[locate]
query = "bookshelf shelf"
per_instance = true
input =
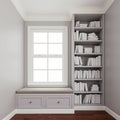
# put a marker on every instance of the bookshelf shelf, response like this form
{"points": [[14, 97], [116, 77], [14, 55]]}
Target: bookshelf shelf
{"points": [[88, 42], [88, 80], [87, 104], [88, 54], [88, 29], [88, 67], [88, 45], [88, 92]]}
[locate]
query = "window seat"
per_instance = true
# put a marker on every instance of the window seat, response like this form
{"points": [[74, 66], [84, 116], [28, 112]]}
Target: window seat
{"points": [[44, 91]]}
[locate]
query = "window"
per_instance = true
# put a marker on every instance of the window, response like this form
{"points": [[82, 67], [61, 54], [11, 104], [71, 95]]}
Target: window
{"points": [[47, 56]]}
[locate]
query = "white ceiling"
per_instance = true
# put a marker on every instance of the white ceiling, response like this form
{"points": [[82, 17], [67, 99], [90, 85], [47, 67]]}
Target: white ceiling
{"points": [[58, 9]]}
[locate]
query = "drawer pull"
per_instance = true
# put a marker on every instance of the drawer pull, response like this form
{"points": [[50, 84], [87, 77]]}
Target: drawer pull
{"points": [[30, 102], [58, 102]]}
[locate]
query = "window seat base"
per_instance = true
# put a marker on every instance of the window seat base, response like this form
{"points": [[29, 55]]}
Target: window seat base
{"points": [[44, 91]]}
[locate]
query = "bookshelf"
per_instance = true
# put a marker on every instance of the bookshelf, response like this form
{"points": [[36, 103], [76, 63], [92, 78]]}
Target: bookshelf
{"points": [[88, 59]]}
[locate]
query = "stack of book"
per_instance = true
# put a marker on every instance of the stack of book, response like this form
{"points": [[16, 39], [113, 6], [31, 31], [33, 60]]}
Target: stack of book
{"points": [[85, 36], [95, 24], [87, 74], [97, 49], [79, 49], [82, 25], [92, 36], [91, 99], [80, 86], [94, 61], [95, 88], [88, 50], [78, 60], [78, 99]]}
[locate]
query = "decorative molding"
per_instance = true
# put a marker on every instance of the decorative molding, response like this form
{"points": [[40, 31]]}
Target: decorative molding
{"points": [[45, 111], [60, 17], [92, 108], [112, 113], [61, 111], [108, 5], [19, 8], [10, 115]]}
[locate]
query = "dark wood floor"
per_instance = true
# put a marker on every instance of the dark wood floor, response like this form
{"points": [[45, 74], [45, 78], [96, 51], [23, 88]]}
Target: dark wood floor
{"points": [[79, 115]]}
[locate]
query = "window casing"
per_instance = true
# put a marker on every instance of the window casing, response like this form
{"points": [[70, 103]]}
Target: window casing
{"points": [[47, 56]]}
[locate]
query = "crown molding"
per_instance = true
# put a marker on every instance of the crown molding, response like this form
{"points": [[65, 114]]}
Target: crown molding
{"points": [[60, 17], [19, 8], [108, 5]]}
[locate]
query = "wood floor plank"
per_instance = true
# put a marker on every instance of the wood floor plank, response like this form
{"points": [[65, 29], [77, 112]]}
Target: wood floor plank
{"points": [[79, 115]]}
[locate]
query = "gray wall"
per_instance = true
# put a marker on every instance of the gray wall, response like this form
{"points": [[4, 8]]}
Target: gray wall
{"points": [[112, 57], [11, 56], [50, 23]]}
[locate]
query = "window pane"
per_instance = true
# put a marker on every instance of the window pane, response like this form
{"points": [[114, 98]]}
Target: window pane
{"points": [[40, 63], [55, 49], [40, 37], [55, 75], [40, 49], [55, 63], [40, 76], [55, 37]]}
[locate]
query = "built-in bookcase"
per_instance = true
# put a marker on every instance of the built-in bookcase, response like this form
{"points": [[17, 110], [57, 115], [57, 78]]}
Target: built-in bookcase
{"points": [[88, 59]]}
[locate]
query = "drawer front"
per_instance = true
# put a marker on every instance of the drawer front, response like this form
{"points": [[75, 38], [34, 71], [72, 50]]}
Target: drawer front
{"points": [[30, 102], [58, 102]]}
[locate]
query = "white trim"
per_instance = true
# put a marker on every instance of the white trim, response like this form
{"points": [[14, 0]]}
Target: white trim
{"points": [[92, 108], [45, 111], [59, 16], [64, 30], [10, 115], [18, 7], [107, 5], [112, 113], [61, 111]]}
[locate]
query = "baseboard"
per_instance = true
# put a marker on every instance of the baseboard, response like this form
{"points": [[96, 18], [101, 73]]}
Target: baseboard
{"points": [[10, 115], [45, 111], [112, 113], [98, 108], [61, 111]]}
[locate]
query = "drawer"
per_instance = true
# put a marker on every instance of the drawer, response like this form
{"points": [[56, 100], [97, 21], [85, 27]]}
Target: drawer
{"points": [[25, 102], [58, 102]]}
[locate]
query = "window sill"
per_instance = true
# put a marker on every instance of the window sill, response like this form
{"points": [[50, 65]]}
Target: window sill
{"points": [[44, 91]]}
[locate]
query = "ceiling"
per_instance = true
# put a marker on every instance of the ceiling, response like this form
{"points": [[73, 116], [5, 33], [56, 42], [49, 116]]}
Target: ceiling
{"points": [[33, 10]]}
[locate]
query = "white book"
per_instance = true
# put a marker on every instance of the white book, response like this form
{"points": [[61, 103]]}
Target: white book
{"points": [[93, 74], [93, 99], [86, 87], [81, 86], [80, 99], [90, 74], [77, 24], [76, 74], [80, 61], [77, 35], [76, 49], [80, 49], [97, 49], [80, 74], [76, 99], [76, 60], [76, 86], [85, 74], [98, 74]]}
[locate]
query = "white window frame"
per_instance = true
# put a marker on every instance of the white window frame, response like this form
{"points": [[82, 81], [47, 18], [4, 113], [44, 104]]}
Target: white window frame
{"points": [[31, 29]]}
